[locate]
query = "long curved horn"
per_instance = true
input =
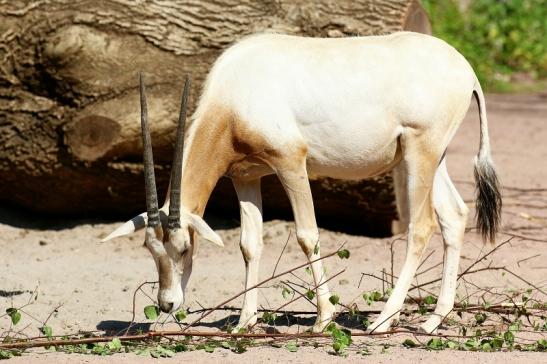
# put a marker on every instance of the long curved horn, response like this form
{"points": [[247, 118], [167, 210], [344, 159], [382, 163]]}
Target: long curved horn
{"points": [[148, 160], [173, 221]]}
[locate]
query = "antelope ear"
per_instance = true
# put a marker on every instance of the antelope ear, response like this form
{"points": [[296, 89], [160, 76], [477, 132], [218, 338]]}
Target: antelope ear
{"points": [[203, 230]]}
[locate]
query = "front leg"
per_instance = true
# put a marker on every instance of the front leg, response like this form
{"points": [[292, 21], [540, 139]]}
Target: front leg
{"points": [[293, 175], [250, 204]]}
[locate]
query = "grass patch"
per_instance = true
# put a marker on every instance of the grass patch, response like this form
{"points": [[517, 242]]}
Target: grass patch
{"points": [[505, 41]]}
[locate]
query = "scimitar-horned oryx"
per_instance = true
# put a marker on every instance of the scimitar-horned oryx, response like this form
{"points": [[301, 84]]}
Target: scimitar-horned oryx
{"points": [[301, 108]]}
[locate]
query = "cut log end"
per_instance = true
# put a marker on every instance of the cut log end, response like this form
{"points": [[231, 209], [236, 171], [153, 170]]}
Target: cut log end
{"points": [[91, 137]]}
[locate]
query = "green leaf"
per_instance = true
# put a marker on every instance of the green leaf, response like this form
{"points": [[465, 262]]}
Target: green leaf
{"points": [[180, 347], [14, 314], [208, 348], [180, 315], [472, 343], [371, 297], [376, 296], [268, 318], [286, 292], [497, 342], [341, 339], [143, 352], [115, 344], [515, 326], [430, 300], [435, 344], [291, 346], [480, 318], [5, 354], [409, 344], [542, 344], [161, 352], [334, 299], [310, 294], [151, 312], [46, 330], [316, 249], [343, 254]]}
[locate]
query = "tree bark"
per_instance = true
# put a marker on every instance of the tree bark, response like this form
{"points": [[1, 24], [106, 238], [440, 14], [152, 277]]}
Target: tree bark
{"points": [[69, 116]]}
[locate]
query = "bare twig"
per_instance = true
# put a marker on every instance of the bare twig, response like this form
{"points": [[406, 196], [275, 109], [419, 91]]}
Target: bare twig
{"points": [[256, 286], [282, 251]]}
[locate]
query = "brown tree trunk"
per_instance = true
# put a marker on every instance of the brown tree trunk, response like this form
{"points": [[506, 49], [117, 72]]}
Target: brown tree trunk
{"points": [[69, 125]]}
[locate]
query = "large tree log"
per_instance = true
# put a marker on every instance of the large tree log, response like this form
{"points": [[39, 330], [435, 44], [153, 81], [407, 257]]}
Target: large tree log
{"points": [[69, 125]]}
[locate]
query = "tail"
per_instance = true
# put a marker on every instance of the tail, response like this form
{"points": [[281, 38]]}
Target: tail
{"points": [[488, 198]]}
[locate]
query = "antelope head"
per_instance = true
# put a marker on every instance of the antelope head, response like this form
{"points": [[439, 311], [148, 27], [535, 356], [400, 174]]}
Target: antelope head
{"points": [[171, 240]]}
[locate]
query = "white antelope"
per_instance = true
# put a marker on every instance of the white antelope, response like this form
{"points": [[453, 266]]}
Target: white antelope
{"points": [[346, 108]]}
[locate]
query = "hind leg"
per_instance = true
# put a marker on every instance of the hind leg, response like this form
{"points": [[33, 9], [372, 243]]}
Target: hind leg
{"points": [[400, 187], [421, 162], [452, 216]]}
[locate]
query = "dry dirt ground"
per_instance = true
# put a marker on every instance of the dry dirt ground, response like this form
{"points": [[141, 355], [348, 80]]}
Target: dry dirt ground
{"points": [[93, 282]]}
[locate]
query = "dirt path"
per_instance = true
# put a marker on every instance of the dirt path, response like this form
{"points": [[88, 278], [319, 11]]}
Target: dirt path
{"points": [[94, 282]]}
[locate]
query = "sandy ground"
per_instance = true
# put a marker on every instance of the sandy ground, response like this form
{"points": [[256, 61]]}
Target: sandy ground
{"points": [[93, 282]]}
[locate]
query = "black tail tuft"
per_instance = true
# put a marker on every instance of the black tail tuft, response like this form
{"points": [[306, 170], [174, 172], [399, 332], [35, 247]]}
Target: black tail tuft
{"points": [[488, 199]]}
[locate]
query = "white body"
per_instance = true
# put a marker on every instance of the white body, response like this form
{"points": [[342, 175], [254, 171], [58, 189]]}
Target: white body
{"points": [[344, 108], [348, 99]]}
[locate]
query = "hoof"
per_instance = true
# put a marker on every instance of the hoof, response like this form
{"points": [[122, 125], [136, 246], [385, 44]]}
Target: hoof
{"points": [[377, 328], [320, 326], [430, 326], [244, 324]]}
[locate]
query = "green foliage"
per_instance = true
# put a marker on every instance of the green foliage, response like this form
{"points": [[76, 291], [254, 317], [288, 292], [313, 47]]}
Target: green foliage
{"points": [[268, 317], [341, 338], [47, 331], [161, 352], [286, 292], [109, 348], [310, 294], [180, 315], [292, 346], [6, 354], [408, 343], [430, 300], [151, 312], [334, 299], [480, 318], [343, 254], [436, 344], [498, 38], [208, 347], [14, 314], [238, 346], [371, 297]]}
